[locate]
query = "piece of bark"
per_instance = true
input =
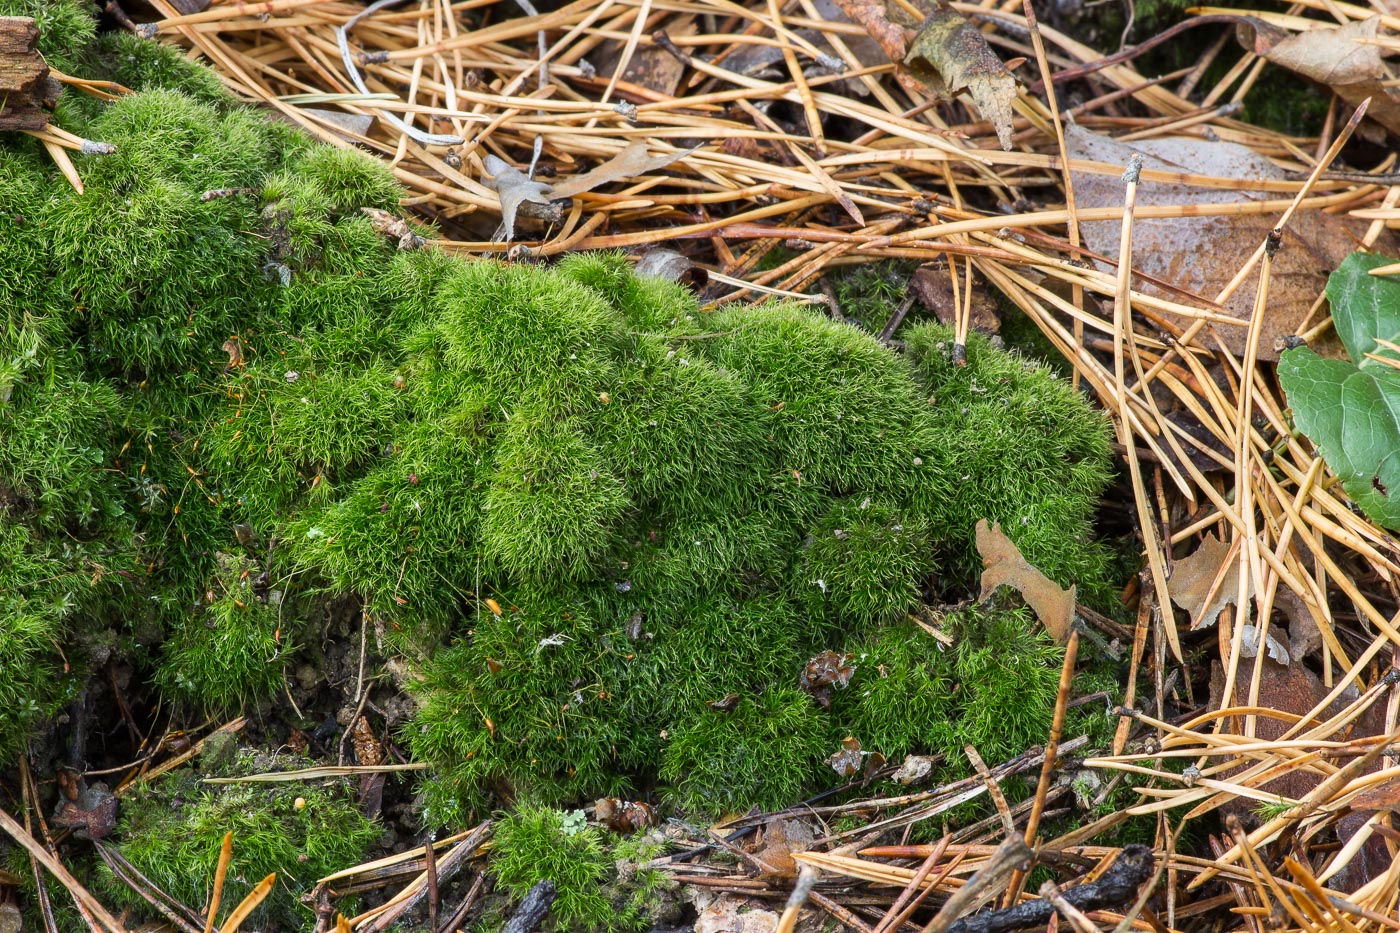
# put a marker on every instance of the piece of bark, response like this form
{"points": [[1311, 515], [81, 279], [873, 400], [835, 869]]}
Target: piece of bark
{"points": [[25, 85], [532, 909], [934, 289], [1116, 889]]}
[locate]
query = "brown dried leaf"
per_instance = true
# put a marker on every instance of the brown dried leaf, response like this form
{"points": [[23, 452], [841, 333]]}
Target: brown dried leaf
{"points": [[1003, 565], [725, 704], [846, 761], [1202, 254], [872, 16], [1294, 690], [651, 67], [91, 813], [781, 839], [874, 761], [1201, 584], [824, 671], [1344, 59], [372, 793], [514, 189], [933, 288], [1385, 797], [950, 53], [629, 163], [625, 816], [1204, 585]]}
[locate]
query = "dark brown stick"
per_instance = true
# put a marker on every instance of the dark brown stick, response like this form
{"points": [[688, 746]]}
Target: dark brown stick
{"points": [[532, 909]]}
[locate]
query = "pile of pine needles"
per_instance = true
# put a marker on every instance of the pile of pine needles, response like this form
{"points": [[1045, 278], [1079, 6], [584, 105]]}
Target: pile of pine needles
{"points": [[789, 131]]}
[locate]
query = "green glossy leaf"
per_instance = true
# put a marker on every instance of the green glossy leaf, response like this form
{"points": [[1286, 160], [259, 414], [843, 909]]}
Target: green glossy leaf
{"points": [[1353, 416], [1365, 307]]}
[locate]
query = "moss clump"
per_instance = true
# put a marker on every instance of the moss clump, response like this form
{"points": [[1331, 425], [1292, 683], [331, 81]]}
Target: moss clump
{"points": [[231, 656], [143, 65], [534, 844], [34, 612], [532, 702], [1044, 492], [619, 509], [158, 276], [864, 560], [868, 293], [993, 689], [172, 831], [763, 753]]}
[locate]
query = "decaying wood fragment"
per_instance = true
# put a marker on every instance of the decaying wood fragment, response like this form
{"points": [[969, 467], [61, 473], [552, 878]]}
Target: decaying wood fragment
{"points": [[25, 86]]}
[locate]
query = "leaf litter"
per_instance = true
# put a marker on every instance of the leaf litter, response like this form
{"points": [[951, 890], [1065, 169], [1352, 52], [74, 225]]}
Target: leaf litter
{"points": [[1348, 59]]}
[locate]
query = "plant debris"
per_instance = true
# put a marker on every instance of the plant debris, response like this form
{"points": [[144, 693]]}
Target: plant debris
{"points": [[1003, 565]]}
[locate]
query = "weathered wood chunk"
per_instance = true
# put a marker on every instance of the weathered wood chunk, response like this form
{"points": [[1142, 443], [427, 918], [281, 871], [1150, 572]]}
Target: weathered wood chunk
{"points": [[25, 85]]}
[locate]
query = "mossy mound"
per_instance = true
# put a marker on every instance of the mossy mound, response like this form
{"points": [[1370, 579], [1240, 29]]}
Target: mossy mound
{"points": [[172, 831], [218, 412], [600, 887]]}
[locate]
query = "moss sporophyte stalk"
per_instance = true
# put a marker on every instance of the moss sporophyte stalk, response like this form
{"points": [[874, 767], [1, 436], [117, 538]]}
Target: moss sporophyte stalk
{"points": [[580, 507]]}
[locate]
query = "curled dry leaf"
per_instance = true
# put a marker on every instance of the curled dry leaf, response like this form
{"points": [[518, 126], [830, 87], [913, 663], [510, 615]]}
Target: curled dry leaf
{"points": [[1346, 59], [671, 266], [90, 811], [846, 761], [825, 671], [951, 55], [625, 816], [781, 839], [514, 189], [1003, 565], [629, 163]]}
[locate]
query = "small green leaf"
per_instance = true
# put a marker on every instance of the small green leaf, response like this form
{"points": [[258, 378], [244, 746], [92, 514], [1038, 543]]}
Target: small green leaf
{"points": [[1365, 307], [1353, 416]]}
